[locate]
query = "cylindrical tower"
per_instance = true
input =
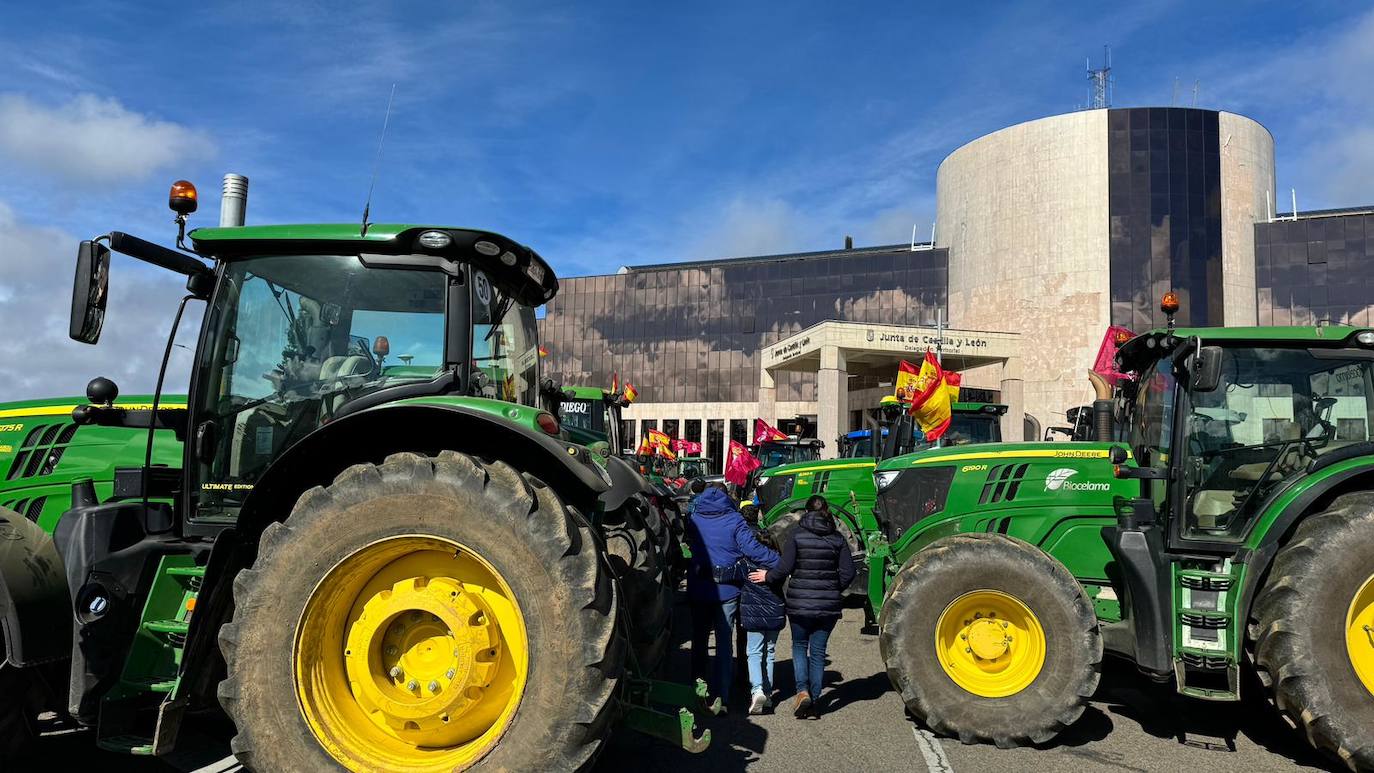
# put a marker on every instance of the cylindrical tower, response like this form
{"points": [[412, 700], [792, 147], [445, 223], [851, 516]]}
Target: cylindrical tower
{"points": [[1062, 226]]}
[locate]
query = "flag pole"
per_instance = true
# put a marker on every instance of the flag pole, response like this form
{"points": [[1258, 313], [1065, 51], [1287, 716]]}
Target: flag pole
{"points": [[940, 351]]}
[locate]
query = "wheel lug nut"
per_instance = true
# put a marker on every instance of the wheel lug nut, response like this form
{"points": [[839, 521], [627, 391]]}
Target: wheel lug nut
{"points": [[434, 685], [1006, 625], [963, 636], [451, 673], [395, 672], [412, 685]]}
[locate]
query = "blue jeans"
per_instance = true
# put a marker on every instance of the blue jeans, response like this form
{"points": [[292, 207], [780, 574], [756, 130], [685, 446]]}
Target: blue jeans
{"points": [[759, 655], [809, 637], [718, 618]]}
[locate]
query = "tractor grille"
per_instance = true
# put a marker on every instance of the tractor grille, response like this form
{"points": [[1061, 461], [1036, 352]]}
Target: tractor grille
{"points": [[29, 508], [774, 491], [41, 450], [1004, 480], [917, 493]]}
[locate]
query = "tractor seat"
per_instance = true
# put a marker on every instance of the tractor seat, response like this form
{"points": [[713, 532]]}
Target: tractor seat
{"points": [[338, 373]]}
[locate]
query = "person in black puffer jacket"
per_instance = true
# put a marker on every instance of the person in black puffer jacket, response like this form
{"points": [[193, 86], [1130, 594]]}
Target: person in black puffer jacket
{"points": [[819, 567], [762, 616]]}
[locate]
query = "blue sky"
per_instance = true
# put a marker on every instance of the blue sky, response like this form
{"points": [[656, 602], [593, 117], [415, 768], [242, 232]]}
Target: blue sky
{"points": [[599, 133]]}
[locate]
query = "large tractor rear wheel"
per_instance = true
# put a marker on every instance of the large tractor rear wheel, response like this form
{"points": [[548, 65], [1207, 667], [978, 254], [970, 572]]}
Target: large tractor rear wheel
{"points": [[427, 614], [990, 640], [1314, 630], [639, 564]]}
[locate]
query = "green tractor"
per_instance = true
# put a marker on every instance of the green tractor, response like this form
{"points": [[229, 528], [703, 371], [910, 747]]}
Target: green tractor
{"points": [[365, 565], [781, 492], [1222, 519]]}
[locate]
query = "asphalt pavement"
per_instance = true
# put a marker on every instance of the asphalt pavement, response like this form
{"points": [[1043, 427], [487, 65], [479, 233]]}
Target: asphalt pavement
{"points": [[1131, 725]]}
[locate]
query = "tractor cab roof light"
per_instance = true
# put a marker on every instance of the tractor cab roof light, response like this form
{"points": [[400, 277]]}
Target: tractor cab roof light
{"points": [[1365, 338], [182, 199]]}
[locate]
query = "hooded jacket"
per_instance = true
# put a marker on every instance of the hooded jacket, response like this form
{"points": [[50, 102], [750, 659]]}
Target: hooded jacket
{"points": [[719, 536], [819, 566]]}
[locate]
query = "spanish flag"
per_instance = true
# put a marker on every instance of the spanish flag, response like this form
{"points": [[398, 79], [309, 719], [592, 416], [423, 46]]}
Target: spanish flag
{"points": [[630, 392], [930, 403], [615, 383]]}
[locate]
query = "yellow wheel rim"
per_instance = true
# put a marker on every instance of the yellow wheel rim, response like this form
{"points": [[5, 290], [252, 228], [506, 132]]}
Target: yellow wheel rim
{"points": [[1359, 633], [411, 654], [989, 643]]}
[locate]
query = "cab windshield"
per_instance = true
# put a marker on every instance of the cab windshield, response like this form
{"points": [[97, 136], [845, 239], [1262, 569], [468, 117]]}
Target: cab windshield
{"points": [[292, 339]]}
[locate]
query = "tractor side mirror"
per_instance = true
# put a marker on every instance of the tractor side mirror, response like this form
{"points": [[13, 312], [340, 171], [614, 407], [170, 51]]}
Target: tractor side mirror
{"points": [[1206, 369], [90, 291]]}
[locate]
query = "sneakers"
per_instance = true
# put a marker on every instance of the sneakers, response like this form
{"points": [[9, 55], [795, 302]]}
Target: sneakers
{"points": [[801, 705], [758, 703]]}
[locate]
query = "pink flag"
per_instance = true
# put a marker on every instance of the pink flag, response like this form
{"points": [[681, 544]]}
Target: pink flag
{"points": [[764, 432], [1105, 365], [687, 447], [739, 463]]}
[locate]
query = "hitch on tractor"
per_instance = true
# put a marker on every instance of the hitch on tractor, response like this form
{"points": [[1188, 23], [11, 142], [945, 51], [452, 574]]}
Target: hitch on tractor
{"points": [[642, 697]]}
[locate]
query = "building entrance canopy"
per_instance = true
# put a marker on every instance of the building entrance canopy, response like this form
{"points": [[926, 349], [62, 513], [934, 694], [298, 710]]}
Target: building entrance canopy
{"points": [[835, 351]]}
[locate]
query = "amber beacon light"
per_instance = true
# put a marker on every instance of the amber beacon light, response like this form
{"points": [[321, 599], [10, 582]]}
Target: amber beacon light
{"points": [[182, 199]]}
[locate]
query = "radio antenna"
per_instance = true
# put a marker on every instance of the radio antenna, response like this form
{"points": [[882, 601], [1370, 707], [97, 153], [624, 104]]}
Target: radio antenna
{"points": [[377, 160]]}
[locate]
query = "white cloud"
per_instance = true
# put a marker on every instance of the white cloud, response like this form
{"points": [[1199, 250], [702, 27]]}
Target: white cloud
{"points": [[37, 359], [91, 140]]}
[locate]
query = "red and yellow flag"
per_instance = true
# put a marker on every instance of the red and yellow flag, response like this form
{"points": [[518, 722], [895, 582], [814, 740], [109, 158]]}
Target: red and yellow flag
{"points": [[630, 392], [906, 381], [739, 463], [930, 404], [615, 383]]}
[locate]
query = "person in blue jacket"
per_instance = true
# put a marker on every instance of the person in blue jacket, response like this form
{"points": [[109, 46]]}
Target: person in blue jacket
{"points": [[718, 536]]}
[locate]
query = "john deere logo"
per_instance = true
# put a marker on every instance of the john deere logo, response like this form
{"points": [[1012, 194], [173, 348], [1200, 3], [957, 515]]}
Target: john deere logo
{"points": [[1059, 479]]}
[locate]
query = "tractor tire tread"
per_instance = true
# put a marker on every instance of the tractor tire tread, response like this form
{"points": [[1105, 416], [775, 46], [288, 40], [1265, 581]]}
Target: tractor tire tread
{"points": [[1306, 681], [570, 719], [1044, 715]]}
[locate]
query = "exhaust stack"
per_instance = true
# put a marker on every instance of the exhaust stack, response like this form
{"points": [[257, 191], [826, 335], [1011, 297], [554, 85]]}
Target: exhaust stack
{"points": [[233, 203], [1102, 408]]}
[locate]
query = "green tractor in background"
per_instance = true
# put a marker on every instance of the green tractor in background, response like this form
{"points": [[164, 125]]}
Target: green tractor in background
{"points": [[1223, 519], [591, 416], [365, 565], [781, 492]]}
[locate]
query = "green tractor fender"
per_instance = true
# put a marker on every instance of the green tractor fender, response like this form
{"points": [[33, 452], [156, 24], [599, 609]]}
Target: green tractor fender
{"points": [[625, 483], [370, 436], [35, 607], [1352, 471], [425, 428]]}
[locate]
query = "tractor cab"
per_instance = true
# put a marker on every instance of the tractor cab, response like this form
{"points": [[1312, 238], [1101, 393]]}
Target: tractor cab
{"points": [[286, 349], [773, 453], [1233, 416]]}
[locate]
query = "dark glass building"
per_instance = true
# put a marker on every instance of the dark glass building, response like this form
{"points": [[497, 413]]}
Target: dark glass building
{"points": [[1315, 268], [692, 332]]}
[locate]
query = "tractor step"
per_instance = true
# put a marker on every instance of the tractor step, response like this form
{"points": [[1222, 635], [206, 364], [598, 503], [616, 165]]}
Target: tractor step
{"points": [[167, 626], [132, 711]]}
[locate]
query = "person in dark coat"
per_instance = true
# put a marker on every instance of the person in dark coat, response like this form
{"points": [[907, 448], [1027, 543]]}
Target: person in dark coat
{"points": [[718, 536], [762, 617], [818, 565]]}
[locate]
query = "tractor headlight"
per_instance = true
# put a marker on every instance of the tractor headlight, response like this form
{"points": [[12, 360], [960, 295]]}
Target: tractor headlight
{"points": [[885, 478], [1365, 337]]}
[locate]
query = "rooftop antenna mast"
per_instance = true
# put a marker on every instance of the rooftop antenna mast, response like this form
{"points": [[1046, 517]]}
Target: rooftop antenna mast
{"points": [[377, 160], [1100, 81]]}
